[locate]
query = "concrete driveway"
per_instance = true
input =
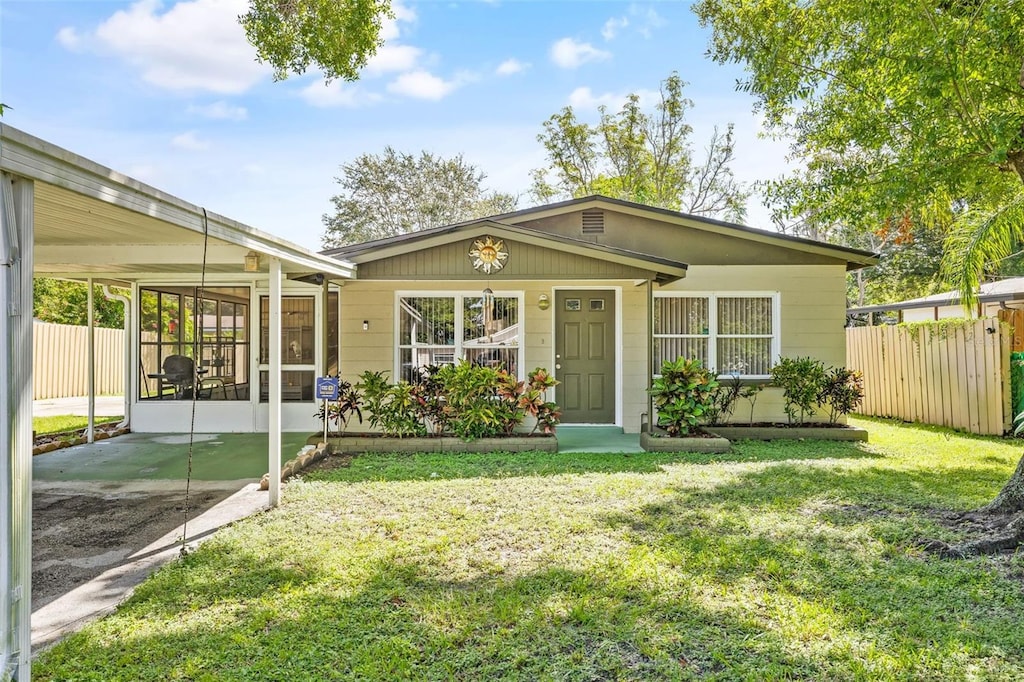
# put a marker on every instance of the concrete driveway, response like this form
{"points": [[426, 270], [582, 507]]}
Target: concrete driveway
{"points": [[105, 515]]}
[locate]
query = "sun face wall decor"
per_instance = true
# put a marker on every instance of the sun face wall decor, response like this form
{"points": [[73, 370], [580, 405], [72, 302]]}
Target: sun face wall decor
{"points": [[488, 255]]}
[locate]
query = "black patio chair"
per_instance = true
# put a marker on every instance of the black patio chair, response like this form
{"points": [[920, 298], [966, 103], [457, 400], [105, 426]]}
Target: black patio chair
{"points": [[179, 371]]}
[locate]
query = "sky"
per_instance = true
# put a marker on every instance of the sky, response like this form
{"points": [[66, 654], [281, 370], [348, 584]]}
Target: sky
{"points": [[170, 93]]}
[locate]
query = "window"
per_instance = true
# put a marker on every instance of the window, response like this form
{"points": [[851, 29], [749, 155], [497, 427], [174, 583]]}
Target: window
{"points": [[213, 335], [437, 329], [734, 334]]}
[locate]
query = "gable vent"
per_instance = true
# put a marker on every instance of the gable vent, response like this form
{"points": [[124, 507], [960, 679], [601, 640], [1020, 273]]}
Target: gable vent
{"points": [[593, 221]]}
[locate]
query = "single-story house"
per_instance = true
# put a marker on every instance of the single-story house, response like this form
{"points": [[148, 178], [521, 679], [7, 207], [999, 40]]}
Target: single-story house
{"points": [[1004, 294], [599, 291]]}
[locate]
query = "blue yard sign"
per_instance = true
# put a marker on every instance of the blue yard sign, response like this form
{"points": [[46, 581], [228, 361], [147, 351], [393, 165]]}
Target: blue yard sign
{"points": [[327, 388]]}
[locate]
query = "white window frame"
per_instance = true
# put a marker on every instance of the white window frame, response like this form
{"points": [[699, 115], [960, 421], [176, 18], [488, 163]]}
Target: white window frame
{"points": [[712, 336], [458, 295]]}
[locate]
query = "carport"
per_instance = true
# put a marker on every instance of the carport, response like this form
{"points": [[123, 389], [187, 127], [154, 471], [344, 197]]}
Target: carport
{"points": [[65, 216]]}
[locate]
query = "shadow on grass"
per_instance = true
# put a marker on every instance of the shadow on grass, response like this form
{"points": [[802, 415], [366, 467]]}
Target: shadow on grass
{"points": [[446, 466], [402, 622], [815, 560]]}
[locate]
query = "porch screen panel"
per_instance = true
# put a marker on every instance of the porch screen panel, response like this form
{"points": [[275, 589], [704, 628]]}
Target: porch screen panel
{"points": [[426, 334], [745, 330], [211, 330], [490, 334], [681, 329]]}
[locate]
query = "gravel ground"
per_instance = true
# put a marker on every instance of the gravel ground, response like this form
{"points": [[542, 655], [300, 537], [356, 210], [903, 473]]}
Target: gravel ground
{"points": [[80, 529]]}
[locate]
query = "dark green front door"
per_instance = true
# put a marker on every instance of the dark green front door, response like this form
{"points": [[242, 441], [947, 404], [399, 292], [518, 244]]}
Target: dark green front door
{"points": [[585, 356]]}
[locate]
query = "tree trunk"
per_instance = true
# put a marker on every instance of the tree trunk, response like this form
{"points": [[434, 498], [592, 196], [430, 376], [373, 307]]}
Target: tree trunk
{"points": [[1010, 499], [1003, 518]]}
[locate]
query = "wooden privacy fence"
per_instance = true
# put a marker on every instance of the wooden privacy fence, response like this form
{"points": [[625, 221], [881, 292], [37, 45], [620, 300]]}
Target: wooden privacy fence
{"points": [[59, 363], [954, 374]]}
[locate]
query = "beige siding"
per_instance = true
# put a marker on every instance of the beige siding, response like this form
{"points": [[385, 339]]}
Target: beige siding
{"points": [[812, 301], [813, 309], [374, 302], [690, 245], [525, 261]]}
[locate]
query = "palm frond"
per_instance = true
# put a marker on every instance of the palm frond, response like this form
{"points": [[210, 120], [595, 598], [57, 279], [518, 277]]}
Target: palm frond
{"points": [[981, 236]]}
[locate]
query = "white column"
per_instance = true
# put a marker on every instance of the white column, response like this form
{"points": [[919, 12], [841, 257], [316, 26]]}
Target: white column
{"points": [[16, 235], [274, 371], [90, 351]]}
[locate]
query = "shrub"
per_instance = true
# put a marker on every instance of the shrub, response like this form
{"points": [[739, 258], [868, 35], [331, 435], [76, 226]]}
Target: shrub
{"points": [[682, 395], [394, 408], [750, 394], [801, 381], [842, 392], [723, 401]]}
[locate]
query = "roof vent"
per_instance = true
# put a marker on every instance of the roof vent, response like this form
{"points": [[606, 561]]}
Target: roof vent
{"points": [[593, 221]]}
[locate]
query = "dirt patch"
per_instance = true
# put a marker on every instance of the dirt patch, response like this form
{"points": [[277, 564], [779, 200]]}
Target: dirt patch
{"points": [[80, 530], [330, 463]]}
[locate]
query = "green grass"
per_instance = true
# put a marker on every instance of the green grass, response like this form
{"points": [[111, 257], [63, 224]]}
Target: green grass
{"points": [[65, 422], [792, 560]]}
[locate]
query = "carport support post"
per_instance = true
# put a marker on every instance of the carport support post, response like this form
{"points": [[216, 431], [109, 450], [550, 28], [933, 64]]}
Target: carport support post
{"points": [[90, 349], [274, 399], [16, 237]]}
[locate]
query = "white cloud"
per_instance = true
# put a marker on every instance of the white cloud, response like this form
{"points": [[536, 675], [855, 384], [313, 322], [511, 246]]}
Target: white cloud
{"points": [[646, 19], [220, 110], [570, 54], [422, 84], [336, 94], [584, 99], [390, 58], [510, 66], [189, 141], [389, 29], [613, 26], [69, 38], [194, 45]]}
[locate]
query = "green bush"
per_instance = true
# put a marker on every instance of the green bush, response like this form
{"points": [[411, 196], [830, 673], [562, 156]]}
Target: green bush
{"points": [[842, 391], [802, 381], [807, 384], [683, 395], [468, 400]]}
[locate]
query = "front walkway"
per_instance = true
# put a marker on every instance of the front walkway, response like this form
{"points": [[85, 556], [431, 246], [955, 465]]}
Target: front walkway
{"points": [[596, 439], [106, 406]]}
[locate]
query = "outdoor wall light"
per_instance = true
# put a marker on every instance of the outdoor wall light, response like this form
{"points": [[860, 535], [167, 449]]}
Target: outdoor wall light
{"points": [[543, 302], [252, 262], [366, 325]]}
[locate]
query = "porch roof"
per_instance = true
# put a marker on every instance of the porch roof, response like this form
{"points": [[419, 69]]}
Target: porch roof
{"points": [[665, 270], [91, 221]]}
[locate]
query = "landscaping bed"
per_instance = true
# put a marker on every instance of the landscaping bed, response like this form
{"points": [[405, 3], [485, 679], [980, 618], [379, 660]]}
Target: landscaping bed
{"points": [[55, 441], [370, 442], [791, 431], [660, 441]]}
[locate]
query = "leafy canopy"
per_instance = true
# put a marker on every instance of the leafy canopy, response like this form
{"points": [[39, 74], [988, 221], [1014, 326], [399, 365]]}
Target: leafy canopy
{"points": [[899, 110], [396, 193], [337, 36], [63, 302], [640, 156]]}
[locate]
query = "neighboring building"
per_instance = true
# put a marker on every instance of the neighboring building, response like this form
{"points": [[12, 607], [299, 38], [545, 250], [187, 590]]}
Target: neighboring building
{"points": [[992, 297], [599, 291]]}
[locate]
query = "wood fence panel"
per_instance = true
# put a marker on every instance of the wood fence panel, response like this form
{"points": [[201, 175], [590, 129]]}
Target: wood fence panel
{"points": [[59, 363], [956, 376]]}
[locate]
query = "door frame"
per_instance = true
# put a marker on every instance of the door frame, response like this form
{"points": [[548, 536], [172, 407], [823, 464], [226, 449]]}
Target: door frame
{"points": [[618, 338]]}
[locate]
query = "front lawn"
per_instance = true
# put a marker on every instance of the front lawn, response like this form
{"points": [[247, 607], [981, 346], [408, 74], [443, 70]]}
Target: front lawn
{"points": [[65, 423], [791, 560]]}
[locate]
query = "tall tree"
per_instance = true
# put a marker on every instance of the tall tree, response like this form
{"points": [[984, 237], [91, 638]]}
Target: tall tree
{"points": [[395, 193], [337, 36], [642, 157], [910, 110]]}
